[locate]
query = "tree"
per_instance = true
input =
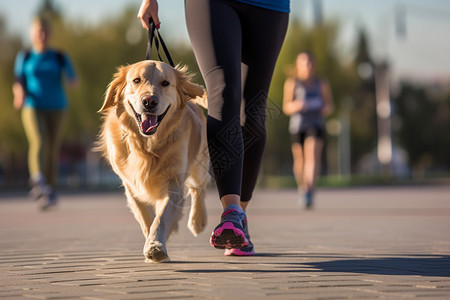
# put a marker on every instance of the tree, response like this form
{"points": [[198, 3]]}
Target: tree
{"points": [[12, 144], [423, 118], [363, 116]]}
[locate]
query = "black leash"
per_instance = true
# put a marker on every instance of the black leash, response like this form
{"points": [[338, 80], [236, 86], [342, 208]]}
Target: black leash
{"points": [[158, 40]]}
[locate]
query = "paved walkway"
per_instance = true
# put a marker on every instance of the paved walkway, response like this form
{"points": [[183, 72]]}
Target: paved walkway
{"points": [[364, 243]]}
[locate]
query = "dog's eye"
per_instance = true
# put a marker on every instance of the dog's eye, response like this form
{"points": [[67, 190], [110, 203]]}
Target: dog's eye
{"points": [[165, 83], [137, 80]]}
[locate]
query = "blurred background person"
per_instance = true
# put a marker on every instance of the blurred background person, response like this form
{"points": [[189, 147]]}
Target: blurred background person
{"points": [[39, 94], [307, 100]]}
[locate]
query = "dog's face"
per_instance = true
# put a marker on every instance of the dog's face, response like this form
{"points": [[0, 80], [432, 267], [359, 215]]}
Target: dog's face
{"points": [[149, 91]]}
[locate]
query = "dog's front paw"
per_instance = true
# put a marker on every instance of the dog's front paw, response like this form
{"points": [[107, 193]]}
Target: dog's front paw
{"points": [[197, 225], [155, 252], [197, 219]]}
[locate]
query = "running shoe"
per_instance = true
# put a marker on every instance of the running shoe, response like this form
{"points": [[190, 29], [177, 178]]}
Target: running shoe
{"points": [[248, 250], [230, 232], [39, 189], [309, 197], [48, 201]]}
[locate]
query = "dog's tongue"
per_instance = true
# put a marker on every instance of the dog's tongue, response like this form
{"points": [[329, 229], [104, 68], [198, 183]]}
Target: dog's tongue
{"points": [[148, 122]]}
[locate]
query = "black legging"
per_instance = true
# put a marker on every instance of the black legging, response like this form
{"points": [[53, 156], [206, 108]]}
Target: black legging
{"points": [[235, 42]]}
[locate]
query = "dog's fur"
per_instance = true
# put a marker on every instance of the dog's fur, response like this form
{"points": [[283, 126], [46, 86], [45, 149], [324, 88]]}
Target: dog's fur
{"points": [[158, 164]]}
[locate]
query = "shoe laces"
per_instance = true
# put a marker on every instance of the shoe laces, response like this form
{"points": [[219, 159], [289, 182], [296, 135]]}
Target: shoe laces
{"points": [[235, 214]]}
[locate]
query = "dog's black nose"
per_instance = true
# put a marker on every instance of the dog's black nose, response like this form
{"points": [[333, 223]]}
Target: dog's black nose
{"points": [[149, 102]]}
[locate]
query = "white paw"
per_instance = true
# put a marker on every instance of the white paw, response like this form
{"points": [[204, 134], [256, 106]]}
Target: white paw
{"points": [[197, 224], [154, 251]]}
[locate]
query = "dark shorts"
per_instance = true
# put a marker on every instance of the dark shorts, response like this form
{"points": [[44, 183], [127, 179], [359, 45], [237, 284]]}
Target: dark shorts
{"points": [[316, 131]]}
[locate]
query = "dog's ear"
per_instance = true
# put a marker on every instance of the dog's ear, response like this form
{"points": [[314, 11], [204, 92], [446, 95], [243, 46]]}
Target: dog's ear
{"points": [[193, 90], [115, 88], [187, 89]]}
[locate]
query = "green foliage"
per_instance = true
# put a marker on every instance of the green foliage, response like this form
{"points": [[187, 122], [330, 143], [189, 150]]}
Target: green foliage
{"points": [[424, 116], [96, 52], [11, 132], [363, 117]]}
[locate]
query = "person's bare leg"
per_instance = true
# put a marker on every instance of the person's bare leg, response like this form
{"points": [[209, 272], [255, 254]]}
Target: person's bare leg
{"points": [[318, 158], [313, 149], [313, 152], [310, 164], [244, 205], [230, 199], [298, 164]]}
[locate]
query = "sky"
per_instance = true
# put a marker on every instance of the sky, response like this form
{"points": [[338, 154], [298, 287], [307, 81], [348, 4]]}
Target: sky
{"points": [[421, 54]]}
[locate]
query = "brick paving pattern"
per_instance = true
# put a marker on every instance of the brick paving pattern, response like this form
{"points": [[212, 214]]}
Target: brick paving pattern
{"points": [[360, 243]]}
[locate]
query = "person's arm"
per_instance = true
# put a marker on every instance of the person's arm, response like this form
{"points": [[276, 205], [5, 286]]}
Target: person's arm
{"points": [[327, 99], [148, 9], [18, 88], [19, 95], [291, 105]]}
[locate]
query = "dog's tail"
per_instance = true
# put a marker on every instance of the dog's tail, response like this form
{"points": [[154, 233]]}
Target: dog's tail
{"points": [[202, 101]]}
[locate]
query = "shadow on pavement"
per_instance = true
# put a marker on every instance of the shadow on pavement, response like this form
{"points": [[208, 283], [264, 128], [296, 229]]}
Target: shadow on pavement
{"points": [[427, 265], [420, 265]]}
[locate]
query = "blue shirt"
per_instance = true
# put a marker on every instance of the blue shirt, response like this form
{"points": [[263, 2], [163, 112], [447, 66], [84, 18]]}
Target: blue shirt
{"points": [[278, 5], [42, 74]]}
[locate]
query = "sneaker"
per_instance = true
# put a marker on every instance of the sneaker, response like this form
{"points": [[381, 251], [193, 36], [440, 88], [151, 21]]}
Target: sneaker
{"points": [[309, 195], [230, 232], [248, 250], [39, 189], [49, 201]]}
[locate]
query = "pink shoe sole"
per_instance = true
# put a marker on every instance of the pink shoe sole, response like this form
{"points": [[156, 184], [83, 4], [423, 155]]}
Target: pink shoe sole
{"points": [[238, 252], [227, 236]]}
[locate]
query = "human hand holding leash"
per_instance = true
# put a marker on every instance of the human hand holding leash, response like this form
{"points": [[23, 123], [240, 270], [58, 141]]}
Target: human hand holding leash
{"points": [[147, 11]]}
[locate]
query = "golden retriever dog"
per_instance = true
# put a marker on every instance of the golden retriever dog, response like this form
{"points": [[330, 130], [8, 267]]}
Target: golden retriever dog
{"points": [[154, 137]]}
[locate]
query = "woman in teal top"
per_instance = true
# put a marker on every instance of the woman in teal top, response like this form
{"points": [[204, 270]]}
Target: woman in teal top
{"points": [[39, 93], [41, 75]]}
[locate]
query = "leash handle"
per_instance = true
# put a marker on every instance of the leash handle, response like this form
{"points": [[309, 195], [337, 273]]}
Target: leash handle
{"points": [[158, 40]]}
